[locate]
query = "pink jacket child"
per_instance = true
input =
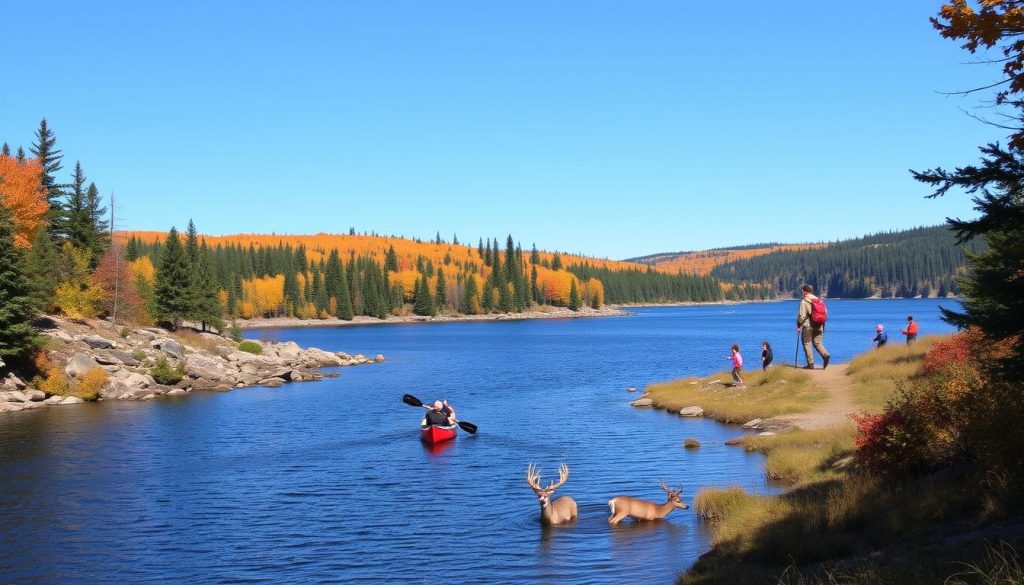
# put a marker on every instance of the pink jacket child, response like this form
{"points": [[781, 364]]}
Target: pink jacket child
{"points": [[737, 365]]}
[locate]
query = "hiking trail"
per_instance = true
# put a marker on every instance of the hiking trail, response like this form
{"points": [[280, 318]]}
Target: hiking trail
{"points": [[834, 410]]}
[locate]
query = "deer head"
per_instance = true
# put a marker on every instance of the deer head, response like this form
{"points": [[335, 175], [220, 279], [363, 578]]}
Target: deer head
{"points": [[674, 496], [544, 494]]}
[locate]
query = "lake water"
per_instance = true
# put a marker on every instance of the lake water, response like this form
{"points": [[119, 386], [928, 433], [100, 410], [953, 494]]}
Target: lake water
{"points": [[328, 482]]}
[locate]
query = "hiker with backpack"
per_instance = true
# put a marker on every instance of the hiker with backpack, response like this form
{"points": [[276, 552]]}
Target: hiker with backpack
{"points": [[810, 322]]}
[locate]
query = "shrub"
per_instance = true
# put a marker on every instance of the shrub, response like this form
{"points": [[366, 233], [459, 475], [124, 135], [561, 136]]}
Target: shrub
{"points": [[78, 301], [250, 347], [125, 332], [51, 378], [164, 374], [138, 355], [88, 388]]}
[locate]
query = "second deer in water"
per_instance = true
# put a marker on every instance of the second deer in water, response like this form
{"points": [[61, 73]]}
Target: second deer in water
{"points": [[559, 511], [625, 506]]}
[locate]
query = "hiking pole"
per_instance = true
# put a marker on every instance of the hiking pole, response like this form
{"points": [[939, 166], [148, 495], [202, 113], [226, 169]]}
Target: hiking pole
{"points": [[796, 350]]}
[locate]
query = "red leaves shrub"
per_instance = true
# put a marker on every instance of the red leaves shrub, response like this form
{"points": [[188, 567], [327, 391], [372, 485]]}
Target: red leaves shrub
{"points": [[954, 350], [874, 440]]}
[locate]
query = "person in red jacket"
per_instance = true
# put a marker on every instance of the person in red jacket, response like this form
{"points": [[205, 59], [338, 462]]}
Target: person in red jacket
{"points": [[911, 330]]}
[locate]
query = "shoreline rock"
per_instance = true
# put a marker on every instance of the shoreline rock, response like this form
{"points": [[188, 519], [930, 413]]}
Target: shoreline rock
{"points": [[208, 362]]}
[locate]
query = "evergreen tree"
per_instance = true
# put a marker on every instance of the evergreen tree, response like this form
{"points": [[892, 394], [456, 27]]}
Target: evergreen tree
{"points": [[391, 262], [574, 297], [441, 291], [556, 262], [173, 282], [99, 226], [45, 151], [208, 310], [17, 305], [480, 249], [6, 150], [41, 268], [131, 251], [534, 291], [21, 155], [424, 301], [469, 302], [72, 223], [534, 256]]}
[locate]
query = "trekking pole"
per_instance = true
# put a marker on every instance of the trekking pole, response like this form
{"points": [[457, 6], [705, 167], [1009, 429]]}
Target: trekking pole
{"points": [[796, 350]]}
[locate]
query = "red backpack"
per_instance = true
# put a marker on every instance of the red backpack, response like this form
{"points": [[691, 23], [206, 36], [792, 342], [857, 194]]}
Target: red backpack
{"points": [[819, 314]]}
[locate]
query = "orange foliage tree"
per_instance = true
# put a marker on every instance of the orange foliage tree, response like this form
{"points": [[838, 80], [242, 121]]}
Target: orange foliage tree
{"points": [[21, 191]]}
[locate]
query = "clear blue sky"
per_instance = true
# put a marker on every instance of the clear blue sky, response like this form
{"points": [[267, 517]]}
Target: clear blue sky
{"points": [[611, 128]]}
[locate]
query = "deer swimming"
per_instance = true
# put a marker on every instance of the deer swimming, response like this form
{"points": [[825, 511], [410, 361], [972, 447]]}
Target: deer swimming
{"points": [[559, 511], [625, 506]]}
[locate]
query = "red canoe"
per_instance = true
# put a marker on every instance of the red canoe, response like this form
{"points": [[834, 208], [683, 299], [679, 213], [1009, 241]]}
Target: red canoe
{"points": [[435, 434]]}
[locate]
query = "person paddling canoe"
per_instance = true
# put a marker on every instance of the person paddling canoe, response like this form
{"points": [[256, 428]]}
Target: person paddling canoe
{"points": [[440, 414]]}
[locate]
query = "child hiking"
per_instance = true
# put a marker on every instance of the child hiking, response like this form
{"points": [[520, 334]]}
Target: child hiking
{"points": [[737, 365], [766, 356]]}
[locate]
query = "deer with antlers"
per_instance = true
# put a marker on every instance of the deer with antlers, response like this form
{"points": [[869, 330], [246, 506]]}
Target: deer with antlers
{"points": [[625, 506], [559, 511]]}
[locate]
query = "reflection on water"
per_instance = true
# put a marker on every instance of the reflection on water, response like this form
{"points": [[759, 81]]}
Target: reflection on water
{"points": [[329, 481]]}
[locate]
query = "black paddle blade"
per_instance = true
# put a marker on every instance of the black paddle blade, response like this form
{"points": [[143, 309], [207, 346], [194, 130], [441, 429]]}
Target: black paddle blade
{"points": [[467, 426], [411, 400]]}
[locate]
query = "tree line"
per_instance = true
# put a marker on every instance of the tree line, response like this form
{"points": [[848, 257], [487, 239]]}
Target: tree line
{"points": [[922, 261]]}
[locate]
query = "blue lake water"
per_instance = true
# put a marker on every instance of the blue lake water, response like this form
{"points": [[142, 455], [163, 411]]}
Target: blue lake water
{"points": [[328, 482]]}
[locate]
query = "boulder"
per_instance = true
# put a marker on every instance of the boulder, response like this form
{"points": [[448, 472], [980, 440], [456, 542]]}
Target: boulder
{"points": [[642, 402], [285, 374], [12, 382], [59, 334], [104, 359], [96, 342], [249, 369], [177, 392], [146, 334], [631, 389], [72, 400], [378, 358], [319, 357], [13, 396], [752, 424], [272, 382], [288, 350], [168, 346], [35, 395], [124, 357], [136, 380], [114, 390], [691, 411], [78, 365], [31, 405], [54, 399]]}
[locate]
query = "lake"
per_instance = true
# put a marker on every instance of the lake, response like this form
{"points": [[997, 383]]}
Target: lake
{"points": [[328, 481]]}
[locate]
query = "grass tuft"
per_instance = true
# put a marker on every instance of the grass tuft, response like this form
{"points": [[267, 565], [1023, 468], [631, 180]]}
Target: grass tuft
{"points": [[875, 374]]}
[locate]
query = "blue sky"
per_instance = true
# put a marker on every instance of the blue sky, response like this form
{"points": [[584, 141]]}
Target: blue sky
{"points": [[611, 128]]}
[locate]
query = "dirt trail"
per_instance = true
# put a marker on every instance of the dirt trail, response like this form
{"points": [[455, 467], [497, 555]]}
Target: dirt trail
{"points": [[836, 407]]}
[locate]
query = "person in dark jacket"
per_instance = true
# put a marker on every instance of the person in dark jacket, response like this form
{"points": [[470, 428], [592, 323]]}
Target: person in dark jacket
{"points": [[436, 416], [766, 356], [881, 338]]}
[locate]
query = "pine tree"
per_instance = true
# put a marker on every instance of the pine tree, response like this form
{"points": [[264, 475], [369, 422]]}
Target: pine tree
{"points": [[42, 270], [21, 155], [391, 261], [208, 310], [469, 302], [131, 251], [556, 262], [441, 291], [17, 305], [172, 284], [99, 227], [534, 292], [72, 223], [46, 152], [574, 297], [424, 302], [6, 150]]}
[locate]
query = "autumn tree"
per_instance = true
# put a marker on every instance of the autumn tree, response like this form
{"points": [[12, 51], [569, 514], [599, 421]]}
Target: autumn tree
{"points": [[49, 156], [121, 299], [173, 283], [21, 191], [17, 307]]}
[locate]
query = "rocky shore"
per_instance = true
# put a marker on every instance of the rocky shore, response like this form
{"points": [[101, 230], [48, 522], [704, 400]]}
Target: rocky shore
{"points": [[129, 356], [548, 312]]}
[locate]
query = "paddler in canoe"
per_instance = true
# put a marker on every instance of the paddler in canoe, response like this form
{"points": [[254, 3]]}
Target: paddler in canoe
{"points": [[440, 414]]}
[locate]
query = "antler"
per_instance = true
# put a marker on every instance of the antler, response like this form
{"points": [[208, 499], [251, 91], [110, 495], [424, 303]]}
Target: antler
{"points": [[563, 474], [533, 477], [669, 490]]}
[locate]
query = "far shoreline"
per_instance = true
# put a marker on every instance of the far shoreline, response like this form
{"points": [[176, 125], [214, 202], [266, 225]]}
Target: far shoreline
{"points": [[551, 313]]}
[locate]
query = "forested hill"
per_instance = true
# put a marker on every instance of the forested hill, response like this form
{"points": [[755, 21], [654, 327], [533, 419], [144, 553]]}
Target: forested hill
{"points": [[922, 261]]}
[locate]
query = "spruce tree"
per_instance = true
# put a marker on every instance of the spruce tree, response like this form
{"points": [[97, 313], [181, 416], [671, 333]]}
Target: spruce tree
{"points": [[131, 251], [441, 291], [574, 297], [208, 310], [534, 291], [424, 302], [391, 263], [556, 262], [17, 305], [45, 150], [99, 226], [172, 284], [41, 268], [21, 155], [469, 302], [72, 223], [6, 150]]}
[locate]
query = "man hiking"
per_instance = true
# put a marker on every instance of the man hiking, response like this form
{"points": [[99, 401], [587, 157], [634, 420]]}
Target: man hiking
{"points": [[911, 330], [810, 322]]}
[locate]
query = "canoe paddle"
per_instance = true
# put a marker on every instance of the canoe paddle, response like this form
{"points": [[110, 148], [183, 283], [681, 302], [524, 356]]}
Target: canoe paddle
{"points": [[464, 425]]}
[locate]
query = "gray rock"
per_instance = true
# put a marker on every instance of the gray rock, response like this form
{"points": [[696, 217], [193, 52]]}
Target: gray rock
{"points": [[106, 360], [79, 365], [319, 357], [12, 382], [124, 357], [72, 400], [115, 390], [59, 334], [96, 342], [177, 392], [288, 350], [13, 396], [10, 406], [35, 395], [642, 402], [146, 334], [31, 405], [54, 399], [691, 411], [272, 382], [136, 380], [631, 389], [249, 369], [752, 424], [168, 346], [378, 358], [285, 374]]}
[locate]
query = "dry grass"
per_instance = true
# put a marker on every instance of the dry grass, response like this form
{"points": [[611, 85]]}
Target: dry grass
{"points": [[779, 391], [803, 455], [876, 374], [194, 339]]}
